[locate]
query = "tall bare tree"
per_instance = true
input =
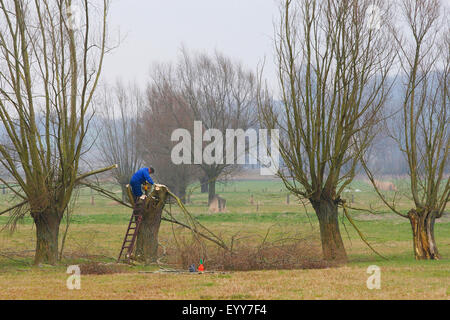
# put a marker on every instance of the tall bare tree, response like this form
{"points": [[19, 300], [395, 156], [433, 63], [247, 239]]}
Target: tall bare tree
{"points": [[118, 131], [166, 111], [222, 95], [333, 61], [50, 65], [423, 45]]}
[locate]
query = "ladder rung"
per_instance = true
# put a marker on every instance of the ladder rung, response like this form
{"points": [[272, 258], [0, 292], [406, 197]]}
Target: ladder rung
{"points": [[134, 224]]}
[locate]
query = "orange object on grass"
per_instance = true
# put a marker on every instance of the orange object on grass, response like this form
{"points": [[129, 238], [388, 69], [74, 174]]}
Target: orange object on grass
{"points": [[201, 267]]}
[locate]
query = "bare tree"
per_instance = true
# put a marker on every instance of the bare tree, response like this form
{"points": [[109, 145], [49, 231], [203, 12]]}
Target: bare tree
{"points": [[49, 70], [423, 45], [333, 61], [118, 131], [222, 95], [166, 111]]}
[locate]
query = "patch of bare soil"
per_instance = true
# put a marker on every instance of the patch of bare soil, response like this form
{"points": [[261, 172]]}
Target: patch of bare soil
{"points": [[101, 268]]}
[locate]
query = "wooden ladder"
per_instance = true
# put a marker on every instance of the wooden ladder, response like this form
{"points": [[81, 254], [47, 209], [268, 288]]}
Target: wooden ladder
{"points": [[133, 228], [130, 237]]}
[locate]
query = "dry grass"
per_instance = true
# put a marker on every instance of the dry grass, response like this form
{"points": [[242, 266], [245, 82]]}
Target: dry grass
{"points": [[349, 282]]}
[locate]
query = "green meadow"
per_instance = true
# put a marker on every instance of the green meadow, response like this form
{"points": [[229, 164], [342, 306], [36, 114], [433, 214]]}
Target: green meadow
{"points": [[256, 210]]}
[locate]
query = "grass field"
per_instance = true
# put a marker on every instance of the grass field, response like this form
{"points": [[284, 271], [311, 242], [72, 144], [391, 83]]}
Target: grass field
{"points": [[96, 232]]}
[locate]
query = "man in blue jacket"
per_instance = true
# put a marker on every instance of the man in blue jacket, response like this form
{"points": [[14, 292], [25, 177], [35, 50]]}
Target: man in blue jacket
{"points": [[139, 178]]}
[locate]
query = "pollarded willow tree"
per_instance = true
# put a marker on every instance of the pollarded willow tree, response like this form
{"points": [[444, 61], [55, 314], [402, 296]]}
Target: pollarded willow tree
{"points": [[333, 61], [423, 45], [166, 112], [50, 64], [221, 94]]}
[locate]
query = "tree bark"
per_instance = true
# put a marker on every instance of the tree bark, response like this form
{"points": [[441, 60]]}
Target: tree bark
{"points": [[123, 186], [204, 184], [147, 238], [47, 231], [211, 190], [422, 224], [330, 235]]}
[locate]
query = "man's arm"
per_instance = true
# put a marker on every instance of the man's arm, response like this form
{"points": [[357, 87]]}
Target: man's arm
{"points": [[148, 178]]}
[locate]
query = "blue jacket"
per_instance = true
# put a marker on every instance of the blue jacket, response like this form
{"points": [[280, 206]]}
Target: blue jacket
{"points": [[141, 176]]}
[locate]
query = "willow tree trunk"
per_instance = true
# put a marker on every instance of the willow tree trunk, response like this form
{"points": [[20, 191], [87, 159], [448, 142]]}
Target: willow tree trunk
{"points": [[147, 239], [211, 190], [47, 231], [204, 184], [330, 235], [422, 224]]}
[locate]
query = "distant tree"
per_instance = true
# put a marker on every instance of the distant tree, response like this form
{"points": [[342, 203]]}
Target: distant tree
{"points": [[166, 111], [204, 186], [222, 95], [423, 45], [118, 135], [333, 61], [49, 70]]}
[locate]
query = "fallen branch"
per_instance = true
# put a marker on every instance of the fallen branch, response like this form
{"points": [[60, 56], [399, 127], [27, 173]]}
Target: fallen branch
{"points": [[15, 260], [196, 223], [106, 193], [361, 235], [220, 244], [172, 271], [212, 237]]}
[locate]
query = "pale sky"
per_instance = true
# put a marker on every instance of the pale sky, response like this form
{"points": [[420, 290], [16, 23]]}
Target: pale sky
{"points": [[155, 30]]}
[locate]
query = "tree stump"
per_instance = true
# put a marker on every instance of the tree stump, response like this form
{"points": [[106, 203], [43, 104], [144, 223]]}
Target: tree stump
{"points": [[218, 204], [150, 208]]}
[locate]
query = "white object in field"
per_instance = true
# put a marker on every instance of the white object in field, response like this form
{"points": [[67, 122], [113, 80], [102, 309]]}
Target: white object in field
{"points": [[357, 190]]}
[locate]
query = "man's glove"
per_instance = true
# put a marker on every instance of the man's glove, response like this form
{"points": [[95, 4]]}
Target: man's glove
{"points": [[147, 186]]}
